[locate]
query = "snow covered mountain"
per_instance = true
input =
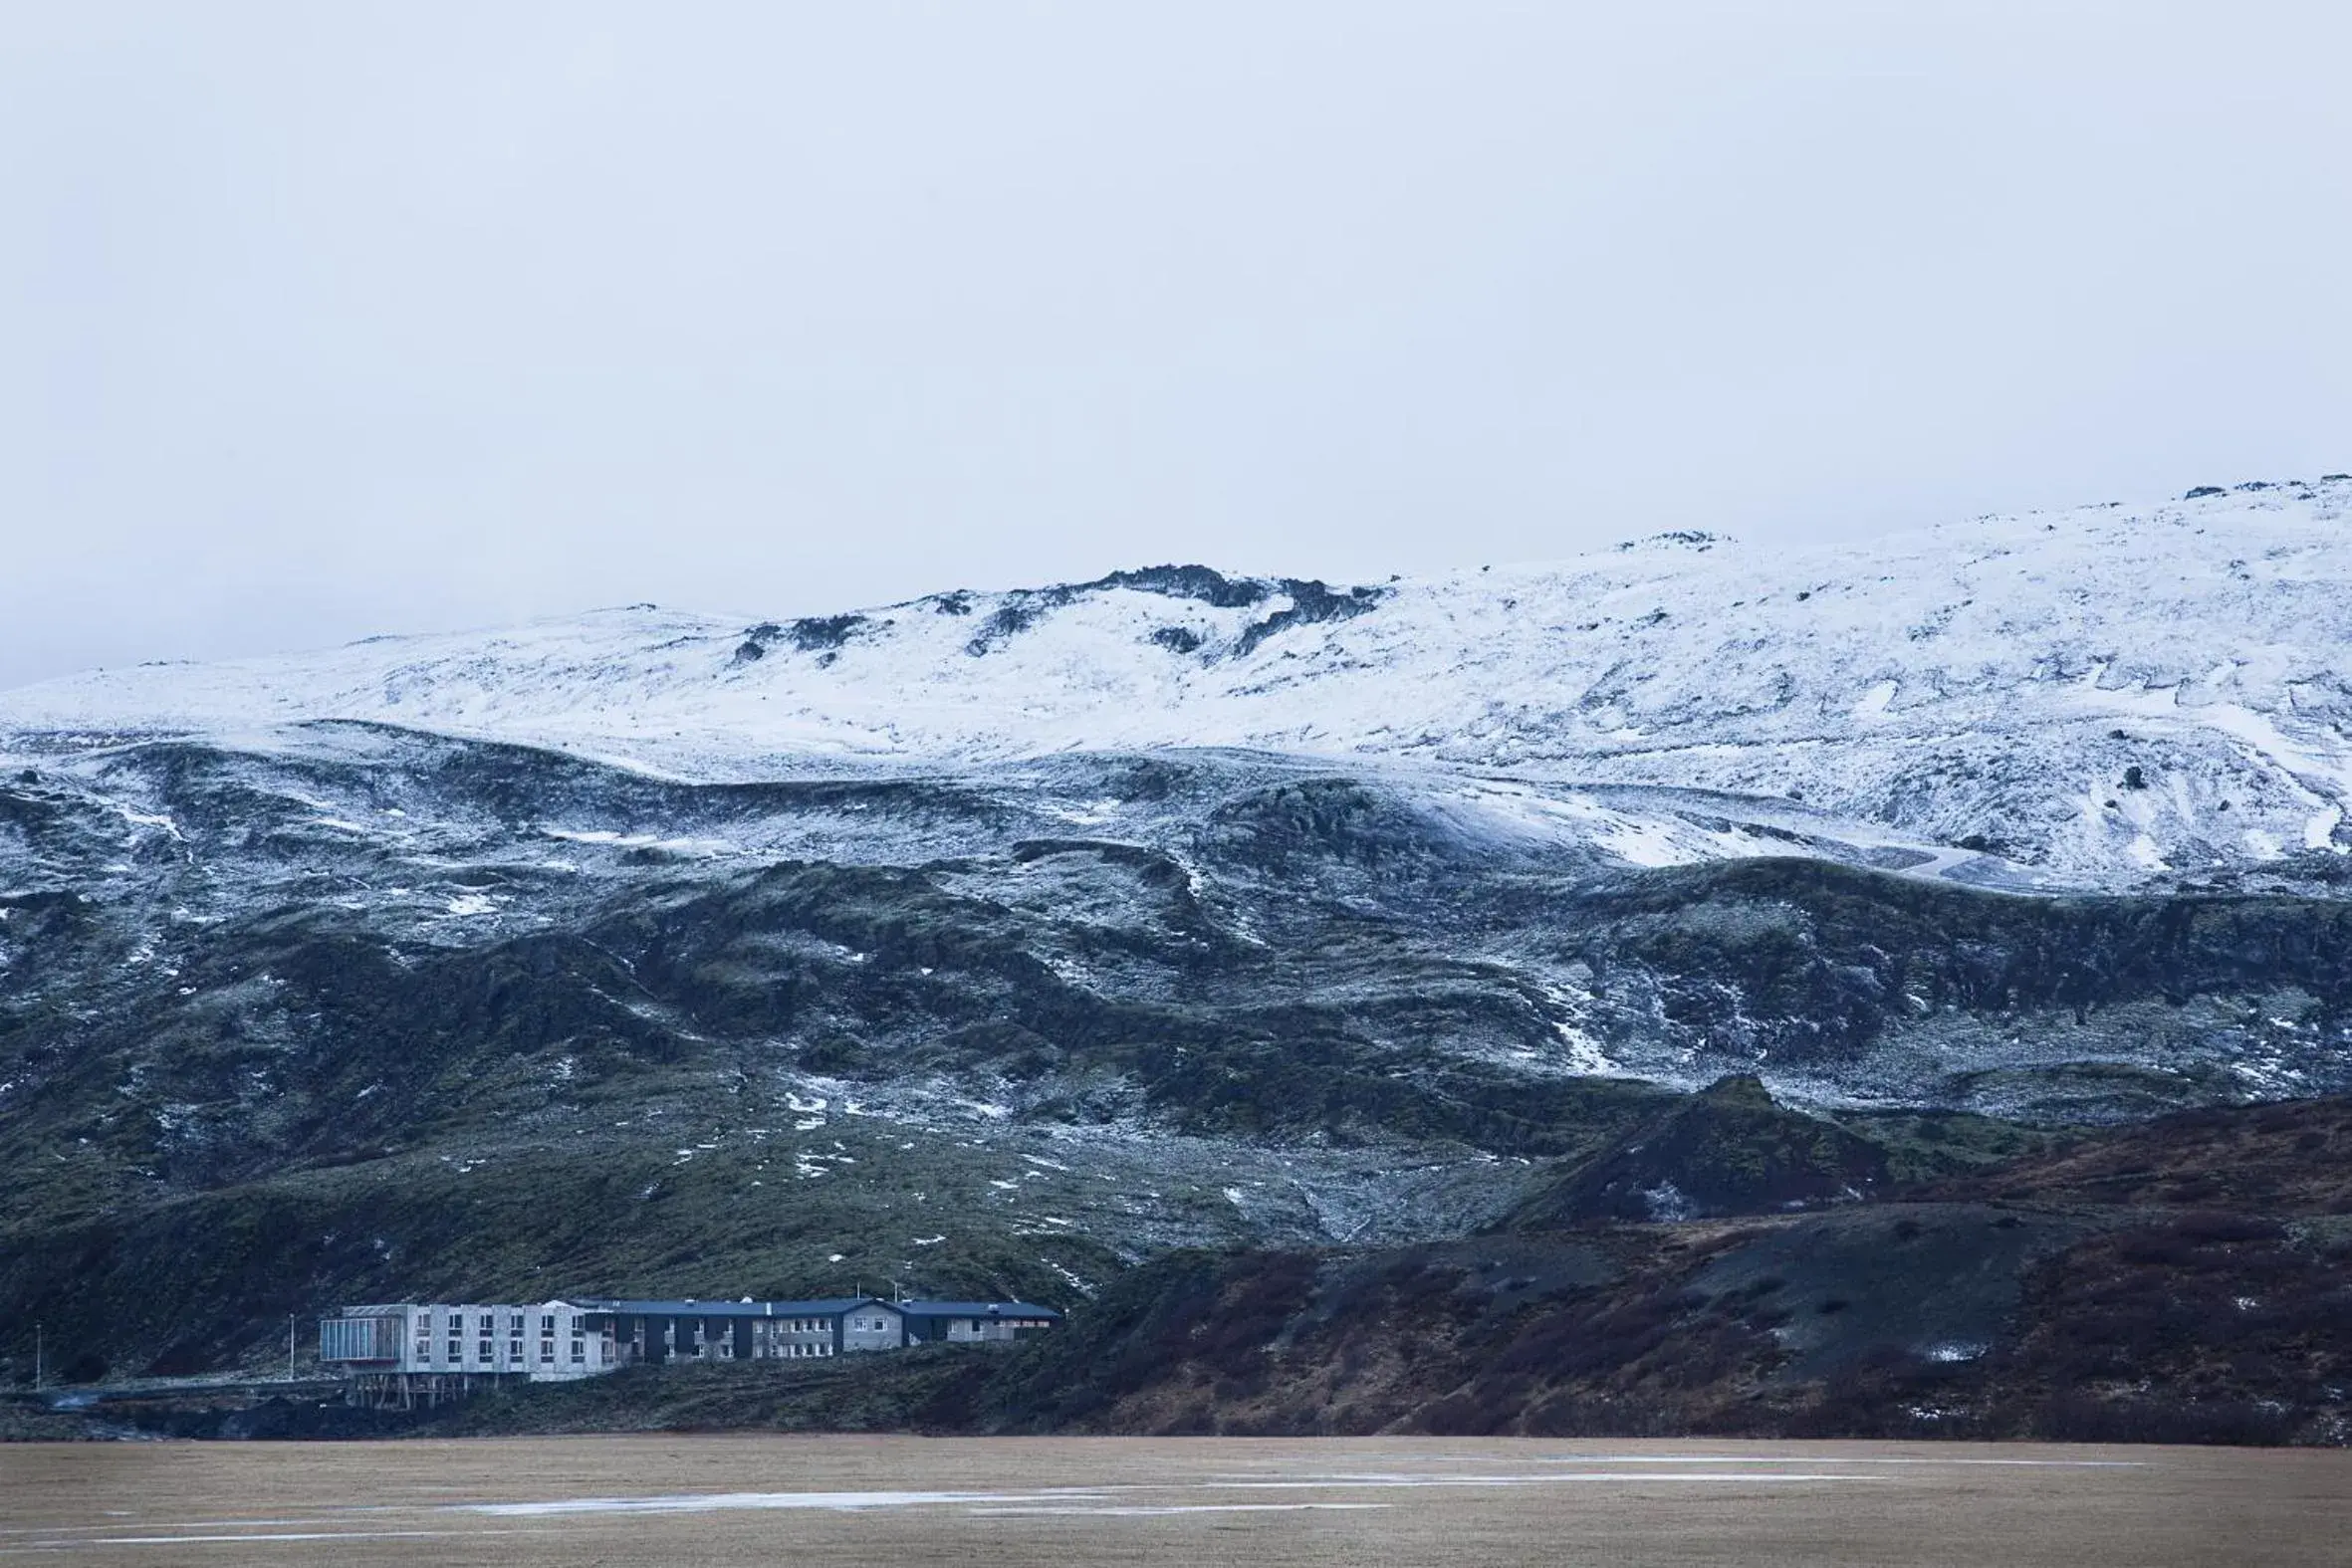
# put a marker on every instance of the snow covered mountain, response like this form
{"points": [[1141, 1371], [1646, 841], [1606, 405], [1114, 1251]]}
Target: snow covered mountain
{"points": [[2107, 697], [993, 943]]}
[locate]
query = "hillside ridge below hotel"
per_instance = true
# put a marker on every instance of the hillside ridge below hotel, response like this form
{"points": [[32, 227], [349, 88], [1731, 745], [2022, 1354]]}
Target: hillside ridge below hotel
{"points": [[396, 1352]]}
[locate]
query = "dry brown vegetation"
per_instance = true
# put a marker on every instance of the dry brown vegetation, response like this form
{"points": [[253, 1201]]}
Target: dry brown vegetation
{"points": [[2293, 1158]]}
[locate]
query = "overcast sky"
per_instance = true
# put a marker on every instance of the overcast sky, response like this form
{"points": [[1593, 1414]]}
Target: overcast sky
{"points": [[321, 320]]}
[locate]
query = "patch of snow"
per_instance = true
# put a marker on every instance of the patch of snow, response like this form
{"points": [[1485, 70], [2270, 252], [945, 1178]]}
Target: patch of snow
{"points": [[1083, 1288], [151, 820], [1667, 1202], [1874, 702]]}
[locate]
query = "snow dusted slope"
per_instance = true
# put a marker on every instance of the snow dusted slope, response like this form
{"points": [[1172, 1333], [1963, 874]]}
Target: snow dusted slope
{"points": [[2098, 697]]}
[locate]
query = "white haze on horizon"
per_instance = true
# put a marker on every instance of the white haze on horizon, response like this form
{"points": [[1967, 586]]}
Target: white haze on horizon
{"points": [[322, 322]]}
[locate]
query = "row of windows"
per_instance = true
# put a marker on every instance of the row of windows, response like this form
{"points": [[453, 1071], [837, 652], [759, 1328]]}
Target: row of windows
{"points": [[487, 1351], [1008, 1322], [486, 1323]]}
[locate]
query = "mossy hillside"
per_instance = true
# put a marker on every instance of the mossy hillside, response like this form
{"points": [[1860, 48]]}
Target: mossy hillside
{"points": [[1726, 1150], [1291, 1004], [1824, 958], [194, 1282]]}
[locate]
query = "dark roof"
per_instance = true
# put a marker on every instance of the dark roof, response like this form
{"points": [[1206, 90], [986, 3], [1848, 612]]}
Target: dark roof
{"points": [[827, 1306]]}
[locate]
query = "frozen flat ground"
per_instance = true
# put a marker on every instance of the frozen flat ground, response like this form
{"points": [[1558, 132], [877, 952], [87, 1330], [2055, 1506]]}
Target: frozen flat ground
{"points": [[908, 1500]]}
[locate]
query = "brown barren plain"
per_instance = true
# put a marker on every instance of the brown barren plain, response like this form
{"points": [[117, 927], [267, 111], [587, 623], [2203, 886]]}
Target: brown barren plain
{"points": [[901, 1502]]}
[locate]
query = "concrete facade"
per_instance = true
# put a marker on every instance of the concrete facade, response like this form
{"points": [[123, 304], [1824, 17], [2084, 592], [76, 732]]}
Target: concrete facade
{"points": [[555, 1341], [546, 1341]]}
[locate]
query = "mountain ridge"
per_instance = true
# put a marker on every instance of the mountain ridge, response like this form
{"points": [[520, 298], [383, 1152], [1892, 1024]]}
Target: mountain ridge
{"points": [[2098, 698]]}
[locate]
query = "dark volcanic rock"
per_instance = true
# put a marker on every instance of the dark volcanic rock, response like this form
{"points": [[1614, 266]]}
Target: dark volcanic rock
{"points": [[1729, 1150]]}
